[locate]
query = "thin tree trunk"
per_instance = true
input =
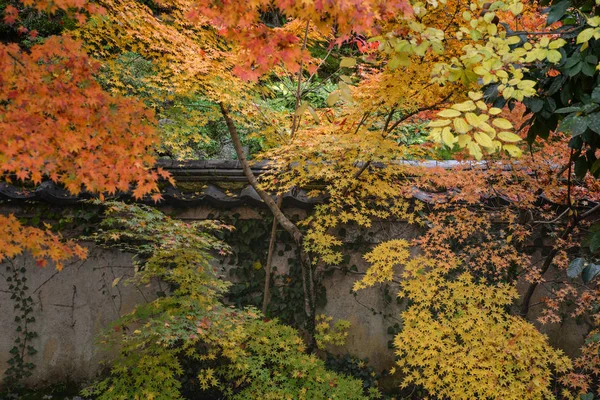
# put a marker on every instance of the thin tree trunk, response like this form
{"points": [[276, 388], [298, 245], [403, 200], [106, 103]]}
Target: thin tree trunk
{"points": [[550, 257], [289, 226], [267, 290], [305, 262], [279, 216]]}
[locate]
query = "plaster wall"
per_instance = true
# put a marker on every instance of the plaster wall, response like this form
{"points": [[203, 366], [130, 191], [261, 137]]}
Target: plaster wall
{"points": [[74, 306], [71, 308]]}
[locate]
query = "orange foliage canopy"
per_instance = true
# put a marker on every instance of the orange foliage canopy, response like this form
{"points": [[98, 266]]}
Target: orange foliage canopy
{"points": [[58, 122], [42, 244], [268, 47]]}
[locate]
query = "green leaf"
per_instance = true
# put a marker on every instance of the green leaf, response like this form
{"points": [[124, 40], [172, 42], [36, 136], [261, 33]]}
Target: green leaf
{"points": [[574, 59], [567, 110], [399, 60], [347, 62], [595, 166], [333, 98], [575, 69], [596, 94], [576, 267], [556, 85], [573, 124], [557, 11], [314, 115], [590, 272], [593, 122], [536, 104], [585, 35], [550, 104], [594, 241], [554, 56], [588, 69], [303, 107]]}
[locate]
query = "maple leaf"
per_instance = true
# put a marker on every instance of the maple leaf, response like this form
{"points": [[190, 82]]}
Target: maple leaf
{"points": [[73, 140], [11, 14]]}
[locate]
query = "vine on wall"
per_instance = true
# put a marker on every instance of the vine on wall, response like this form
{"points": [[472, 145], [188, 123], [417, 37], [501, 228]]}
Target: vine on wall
{"points": [[250, 244], [19, 365], [74, 220]]}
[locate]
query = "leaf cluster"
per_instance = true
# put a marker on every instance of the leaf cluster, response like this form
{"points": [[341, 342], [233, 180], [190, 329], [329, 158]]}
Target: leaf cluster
{"points": [[237, 353]]}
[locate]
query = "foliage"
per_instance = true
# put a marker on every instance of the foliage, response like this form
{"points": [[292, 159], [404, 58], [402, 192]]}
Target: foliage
{"points": [[328, 334], [41, 243], [41, 119], [475, 67], [265, 47], [238, 353], [568, 92], [458, 342], [65, 129], [356, 368], [284, 94], [383, 258], [279, 368]]}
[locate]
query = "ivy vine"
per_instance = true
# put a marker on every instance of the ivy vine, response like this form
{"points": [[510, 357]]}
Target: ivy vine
{"points": [[19, 366], [250, 244]]}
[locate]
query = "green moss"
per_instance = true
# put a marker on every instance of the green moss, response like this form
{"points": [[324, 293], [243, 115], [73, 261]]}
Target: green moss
{"points": [[191, 187]]}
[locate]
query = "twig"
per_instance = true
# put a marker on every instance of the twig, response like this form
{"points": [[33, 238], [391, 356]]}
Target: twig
{"points": [[295, 120], [15, 58]]}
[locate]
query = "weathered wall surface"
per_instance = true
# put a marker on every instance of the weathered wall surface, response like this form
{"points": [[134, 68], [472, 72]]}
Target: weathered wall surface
{"points": [[74, 306], [71, 308]]}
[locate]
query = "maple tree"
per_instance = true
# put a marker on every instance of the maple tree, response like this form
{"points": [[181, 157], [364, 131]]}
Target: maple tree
{"points": [[483, 74], [68, 129], [234, 351]]}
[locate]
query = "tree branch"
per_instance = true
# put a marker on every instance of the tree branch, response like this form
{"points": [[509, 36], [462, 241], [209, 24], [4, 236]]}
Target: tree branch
{"points": [[279, 216], [295, 118], [550, 257]]}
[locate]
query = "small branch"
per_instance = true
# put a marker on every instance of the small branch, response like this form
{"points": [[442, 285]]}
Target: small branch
{"points": [[569, 203], [347, 271], [388, 129], [590, 211], [16, 59], [362, 121], [384, 132], [550, 257], [555, 220], [269, 121], [295, 118], [331, 46], [519, 33], [418, 110]]}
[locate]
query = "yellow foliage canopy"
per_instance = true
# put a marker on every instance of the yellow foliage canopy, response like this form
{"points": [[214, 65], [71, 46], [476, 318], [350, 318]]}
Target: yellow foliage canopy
{"points": [[458, 341]]}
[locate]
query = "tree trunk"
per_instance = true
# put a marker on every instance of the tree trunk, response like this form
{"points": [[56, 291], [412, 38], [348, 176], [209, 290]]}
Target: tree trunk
{"points": [[266, 291], [289, 226]]}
